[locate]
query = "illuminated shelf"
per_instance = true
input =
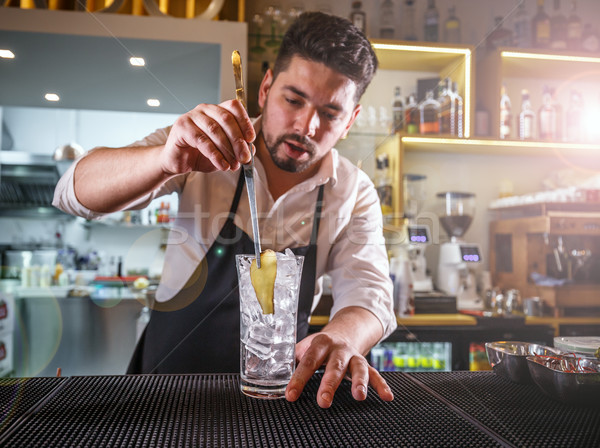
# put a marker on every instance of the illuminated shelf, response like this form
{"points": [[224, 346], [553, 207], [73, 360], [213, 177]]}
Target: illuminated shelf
{"points": [[537, 64], [497, 147], [453, 61]]}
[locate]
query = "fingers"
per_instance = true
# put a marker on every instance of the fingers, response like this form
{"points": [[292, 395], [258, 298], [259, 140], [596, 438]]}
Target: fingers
{"points": [[219, 133], [312, 359], [379, 384]]}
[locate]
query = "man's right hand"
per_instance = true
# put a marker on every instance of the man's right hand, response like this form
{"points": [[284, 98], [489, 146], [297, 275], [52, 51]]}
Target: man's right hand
{"points": [[209, 138]]}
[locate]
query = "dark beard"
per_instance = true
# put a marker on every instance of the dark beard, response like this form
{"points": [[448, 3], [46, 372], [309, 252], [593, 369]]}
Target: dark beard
{"points": [[287, 163]]}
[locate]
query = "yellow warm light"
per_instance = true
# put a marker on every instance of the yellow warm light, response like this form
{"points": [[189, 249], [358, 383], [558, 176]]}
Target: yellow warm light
{"points": [[496, 143], [153, 102], [52, 97], [549, 57], [402, 47], [6, 54], [460, 51]]}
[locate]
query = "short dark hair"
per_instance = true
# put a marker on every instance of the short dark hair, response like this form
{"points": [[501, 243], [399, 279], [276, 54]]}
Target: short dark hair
{"points": [[330, 40]]}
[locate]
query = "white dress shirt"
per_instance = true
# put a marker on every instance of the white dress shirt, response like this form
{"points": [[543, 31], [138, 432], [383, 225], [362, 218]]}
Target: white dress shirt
{"points": [[350, 244]]}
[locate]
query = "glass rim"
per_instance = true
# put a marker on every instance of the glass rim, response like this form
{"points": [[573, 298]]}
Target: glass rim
{"points": [[280, 255]]}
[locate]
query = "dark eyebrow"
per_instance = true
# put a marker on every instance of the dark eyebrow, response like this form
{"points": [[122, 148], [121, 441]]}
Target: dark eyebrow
{"points": [[301, 94]]}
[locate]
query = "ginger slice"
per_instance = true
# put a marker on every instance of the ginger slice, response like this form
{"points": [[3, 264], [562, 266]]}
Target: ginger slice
{"points": [[263, 280]]}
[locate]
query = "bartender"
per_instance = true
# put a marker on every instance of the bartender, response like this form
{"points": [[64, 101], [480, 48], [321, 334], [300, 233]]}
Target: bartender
{"points": [[309, 198]]}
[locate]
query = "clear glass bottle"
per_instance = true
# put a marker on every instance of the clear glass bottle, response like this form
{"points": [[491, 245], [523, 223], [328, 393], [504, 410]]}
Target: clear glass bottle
{"points": [[408, 21], [574, 28], [446, 106], [457, 124], [526, 117], [540, 27], [429, 112], [505, 114], [452, 27], [558, 28], [432, 22], [575, 118], [397, 111], [412, 116], [358, 17], [386, 20], [500, 36], [522, 27], [550, 117]]}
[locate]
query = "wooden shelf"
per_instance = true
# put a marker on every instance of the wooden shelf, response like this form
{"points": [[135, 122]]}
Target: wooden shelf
{"points": [[486, 146], [539, 64]]}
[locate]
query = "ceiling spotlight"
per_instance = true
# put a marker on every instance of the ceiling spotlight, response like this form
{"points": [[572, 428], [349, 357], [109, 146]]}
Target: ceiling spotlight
{"points": [[153, 102], [137, 62], [6, 54], [52, 97]]}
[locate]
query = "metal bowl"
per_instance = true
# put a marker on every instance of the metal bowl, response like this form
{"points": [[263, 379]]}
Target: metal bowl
{"points": [[568, 387], [509, 358]]}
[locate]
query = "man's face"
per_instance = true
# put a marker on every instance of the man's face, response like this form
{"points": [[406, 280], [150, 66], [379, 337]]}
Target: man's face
{"points": [[306, 110]]}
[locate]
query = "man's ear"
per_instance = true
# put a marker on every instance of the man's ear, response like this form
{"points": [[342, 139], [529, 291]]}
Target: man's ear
{"points": [[355, 113], [264, 88]]}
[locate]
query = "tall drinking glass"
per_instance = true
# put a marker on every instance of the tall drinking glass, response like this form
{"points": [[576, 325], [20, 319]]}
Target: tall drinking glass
{"points": [[268, 341]]}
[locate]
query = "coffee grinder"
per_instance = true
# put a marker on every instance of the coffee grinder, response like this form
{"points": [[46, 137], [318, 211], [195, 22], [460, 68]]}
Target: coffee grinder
{"points": [[458, 260], [418, 235]]}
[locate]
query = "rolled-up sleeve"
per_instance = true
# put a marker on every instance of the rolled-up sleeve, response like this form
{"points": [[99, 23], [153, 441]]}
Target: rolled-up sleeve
{"points": [[358, 263], [66, 200]]}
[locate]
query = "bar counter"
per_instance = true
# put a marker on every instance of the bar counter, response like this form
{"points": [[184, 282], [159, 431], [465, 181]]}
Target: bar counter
{"points": [[429, 409]]}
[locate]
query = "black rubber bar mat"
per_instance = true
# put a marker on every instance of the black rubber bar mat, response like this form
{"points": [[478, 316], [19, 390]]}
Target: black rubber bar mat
{"points": [[19, 396], [209, 410], [519, 413]]}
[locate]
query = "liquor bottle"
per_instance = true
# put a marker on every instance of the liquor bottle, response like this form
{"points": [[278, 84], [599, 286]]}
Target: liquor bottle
{"points": [[522, 31], [358, 17], [457, 124], [412, 116], [409, 21], [397, 111], [500, 36], [432, 22], [446, 106], [429, 112], [550, 117], [526, 117], [589, 40], [575, 118], [383, 185], [590, 121], [452, 27], [574, 28], [558, 28], [386, 20], [505, 114], [540, 27]]}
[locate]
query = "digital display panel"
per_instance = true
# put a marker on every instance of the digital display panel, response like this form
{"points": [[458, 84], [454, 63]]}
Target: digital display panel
{"points": [[470, 254], [418, 234]]}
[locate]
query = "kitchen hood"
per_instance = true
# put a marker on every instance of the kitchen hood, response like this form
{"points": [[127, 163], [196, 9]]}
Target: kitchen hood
{"points": [[27, 183]]}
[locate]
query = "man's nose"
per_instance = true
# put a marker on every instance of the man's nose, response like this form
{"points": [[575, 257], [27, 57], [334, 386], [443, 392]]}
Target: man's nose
{"points": [[307, 122]]}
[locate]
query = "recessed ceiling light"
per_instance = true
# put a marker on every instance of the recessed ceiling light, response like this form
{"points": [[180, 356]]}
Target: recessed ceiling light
{"points": [[6, 54], [137, 62], [153, 102], [52, 97]]}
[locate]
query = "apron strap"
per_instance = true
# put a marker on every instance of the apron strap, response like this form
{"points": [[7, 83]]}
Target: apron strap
{"points": [[317, 218]]}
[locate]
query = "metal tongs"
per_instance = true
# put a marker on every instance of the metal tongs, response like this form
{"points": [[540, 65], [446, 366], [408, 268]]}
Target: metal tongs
{"points": [[248, 168]]}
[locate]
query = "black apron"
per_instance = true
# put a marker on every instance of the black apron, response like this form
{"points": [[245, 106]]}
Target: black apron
{"points": [[198, 330]]}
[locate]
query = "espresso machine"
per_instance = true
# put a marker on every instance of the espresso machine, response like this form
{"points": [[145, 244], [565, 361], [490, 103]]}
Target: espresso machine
{"points": [[459, 260], [418, 235]]}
